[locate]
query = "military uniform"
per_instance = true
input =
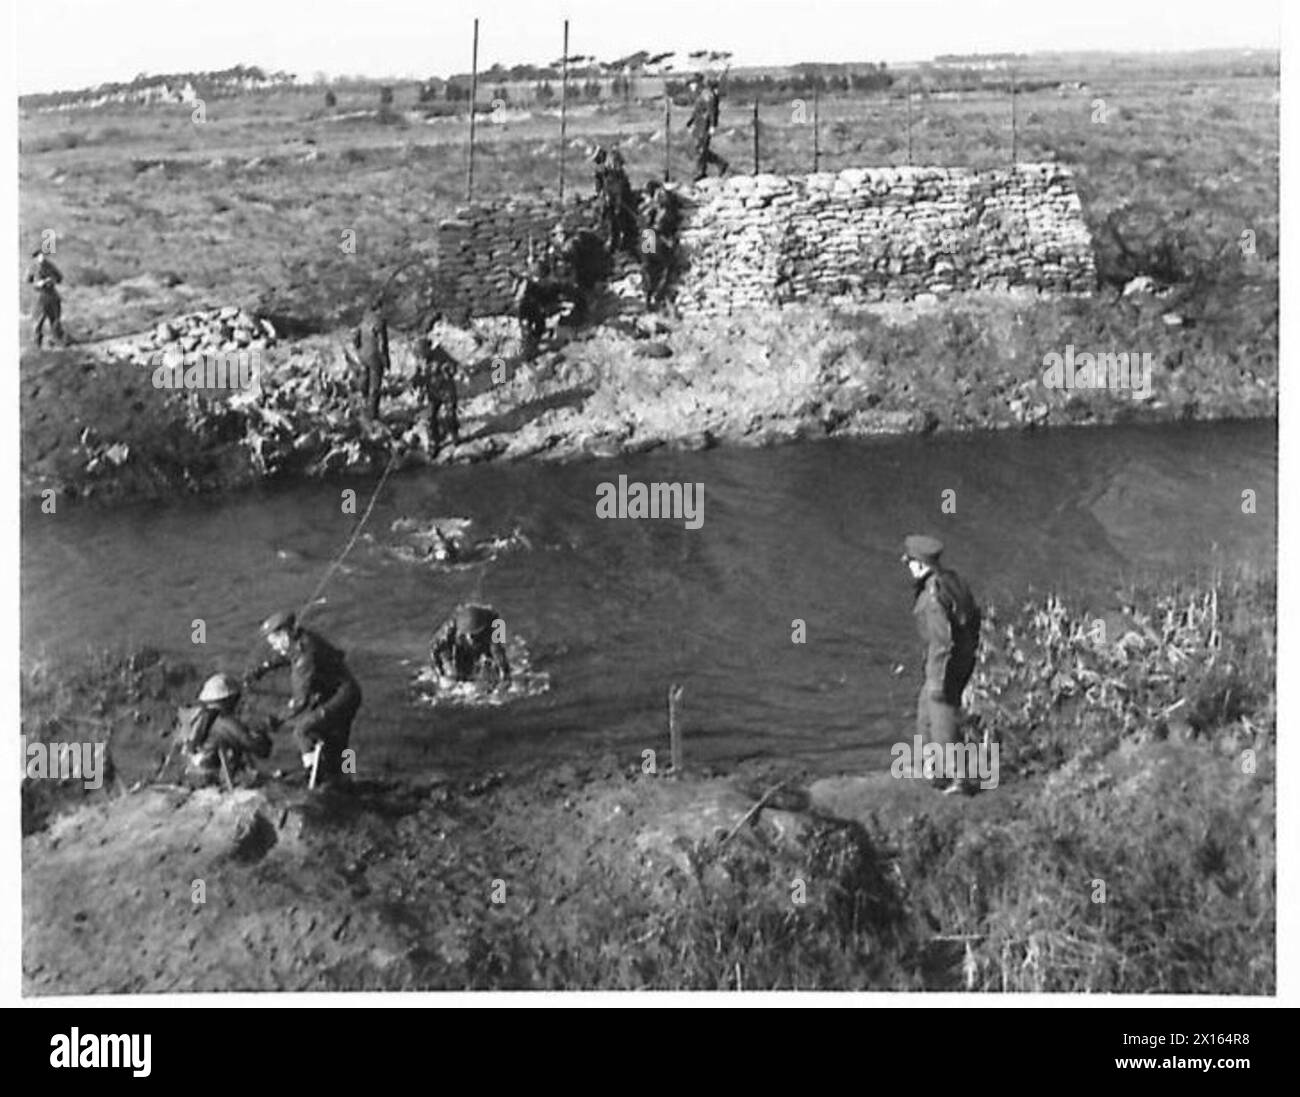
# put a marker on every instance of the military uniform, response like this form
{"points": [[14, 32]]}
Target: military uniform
{"points": [[530, 308], [324, 697], [437, 373], [371, 342], [45, 276], [658, 245], [211, 736], [463, 642], [703, 124], [617, 203], [948, 621]]}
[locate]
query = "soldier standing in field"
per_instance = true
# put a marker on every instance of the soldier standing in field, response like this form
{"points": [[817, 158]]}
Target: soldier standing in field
{"points": [[45, 276], [371, 342], [948, 621], [703, 125]]}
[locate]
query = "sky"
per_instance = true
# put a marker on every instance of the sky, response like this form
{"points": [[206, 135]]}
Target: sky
{"points": [[69, 44]]}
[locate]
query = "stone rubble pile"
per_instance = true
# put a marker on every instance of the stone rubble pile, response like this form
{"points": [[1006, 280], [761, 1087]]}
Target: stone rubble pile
{"points": [[228, 330], [864, 233]]}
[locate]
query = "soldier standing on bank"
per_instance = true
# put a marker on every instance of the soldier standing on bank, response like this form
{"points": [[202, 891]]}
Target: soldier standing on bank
{"points": [[617, 203], [948, 621], [436, 375], [45, 276], [703, 125], [325, 697], [531, 308], [660, 223], [371, 342]]}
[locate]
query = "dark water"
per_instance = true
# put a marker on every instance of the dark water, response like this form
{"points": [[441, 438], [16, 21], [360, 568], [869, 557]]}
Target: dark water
{"points": [[615, 610]]}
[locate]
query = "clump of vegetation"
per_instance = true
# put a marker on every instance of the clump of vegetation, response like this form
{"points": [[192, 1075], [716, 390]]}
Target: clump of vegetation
{"points": [[109, 697], [1119, 860]]}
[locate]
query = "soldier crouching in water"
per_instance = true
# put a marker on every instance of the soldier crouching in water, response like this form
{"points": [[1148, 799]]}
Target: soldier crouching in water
{"points": [[948, 621], [465, 641], [325, 697], [219, 747]]}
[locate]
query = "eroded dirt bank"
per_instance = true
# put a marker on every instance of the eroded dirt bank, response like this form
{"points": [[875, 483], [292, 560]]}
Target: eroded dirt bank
{"points": [[95, 426], [1129, 845]]}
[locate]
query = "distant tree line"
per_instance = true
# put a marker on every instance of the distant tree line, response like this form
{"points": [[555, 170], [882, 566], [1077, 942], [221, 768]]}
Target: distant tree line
{"points": [[205, 83]]}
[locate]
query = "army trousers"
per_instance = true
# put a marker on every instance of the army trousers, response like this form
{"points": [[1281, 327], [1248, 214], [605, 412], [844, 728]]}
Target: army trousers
{"points": [[704, 156], [938, 706], [330, 725], [48, 310]]}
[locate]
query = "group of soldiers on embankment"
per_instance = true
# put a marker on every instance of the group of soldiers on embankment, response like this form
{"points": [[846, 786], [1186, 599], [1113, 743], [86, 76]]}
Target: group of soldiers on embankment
{"points": [[562, 276], [645, 227]]}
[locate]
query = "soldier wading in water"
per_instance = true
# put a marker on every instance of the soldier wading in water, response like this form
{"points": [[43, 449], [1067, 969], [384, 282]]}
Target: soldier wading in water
{"points": [[948, 621], [465, 642]]}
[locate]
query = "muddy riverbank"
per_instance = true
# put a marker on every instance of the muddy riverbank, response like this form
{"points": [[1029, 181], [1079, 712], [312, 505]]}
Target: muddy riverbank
{"points": [[95, 426], [1128, 845]]}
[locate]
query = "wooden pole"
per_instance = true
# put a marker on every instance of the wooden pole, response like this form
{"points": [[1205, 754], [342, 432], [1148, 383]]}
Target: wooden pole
{"points": [[674, 726], [1013, 116], [668, 141], [564, 103], [909, 121], [315, 763], [473, 94], [817, 152], [755, 136]]}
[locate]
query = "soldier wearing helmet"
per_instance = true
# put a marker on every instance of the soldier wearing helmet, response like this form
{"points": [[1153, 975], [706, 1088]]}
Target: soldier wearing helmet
{"points": [[219, 747], [324, 697], [468, 641]]}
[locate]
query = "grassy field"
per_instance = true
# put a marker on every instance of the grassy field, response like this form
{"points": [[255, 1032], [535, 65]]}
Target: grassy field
{"points": [[157, 213]]}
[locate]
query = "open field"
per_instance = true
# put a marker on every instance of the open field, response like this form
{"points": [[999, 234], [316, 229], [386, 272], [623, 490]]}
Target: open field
{"points": [[157, 213]]}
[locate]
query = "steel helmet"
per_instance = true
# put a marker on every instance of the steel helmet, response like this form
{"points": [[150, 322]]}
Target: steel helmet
{"points": [[220, 687], [282, 619]]}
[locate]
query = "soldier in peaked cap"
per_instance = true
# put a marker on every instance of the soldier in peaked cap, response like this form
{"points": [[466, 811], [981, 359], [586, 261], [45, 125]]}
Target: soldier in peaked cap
{"points": [[325, 697], [948, 621]]}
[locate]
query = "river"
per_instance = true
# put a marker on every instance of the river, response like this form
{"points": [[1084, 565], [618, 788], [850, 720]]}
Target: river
{"points": [[615, 610]]}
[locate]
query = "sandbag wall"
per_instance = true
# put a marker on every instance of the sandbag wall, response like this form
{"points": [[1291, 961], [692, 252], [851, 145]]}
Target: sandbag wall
{"points": [[867, 233]]}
